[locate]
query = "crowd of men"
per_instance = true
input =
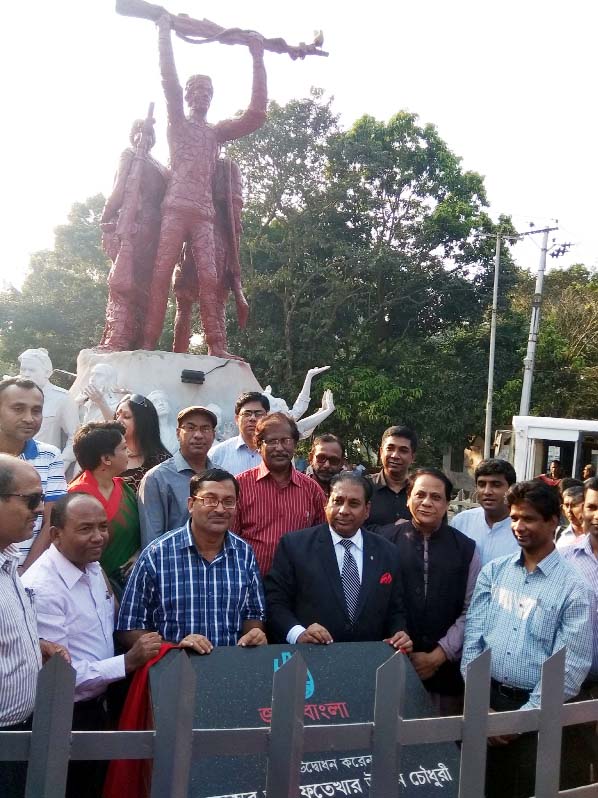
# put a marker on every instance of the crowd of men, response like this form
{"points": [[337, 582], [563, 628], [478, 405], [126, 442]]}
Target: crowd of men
{"points": [[242, 549]]}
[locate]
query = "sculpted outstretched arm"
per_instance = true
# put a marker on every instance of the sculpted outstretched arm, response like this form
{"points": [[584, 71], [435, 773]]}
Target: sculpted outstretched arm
{"points": [[255, 116], [170, 80]]}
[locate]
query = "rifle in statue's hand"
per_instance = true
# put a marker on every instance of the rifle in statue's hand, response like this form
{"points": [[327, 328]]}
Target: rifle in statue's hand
{"points": [[203, 31]]}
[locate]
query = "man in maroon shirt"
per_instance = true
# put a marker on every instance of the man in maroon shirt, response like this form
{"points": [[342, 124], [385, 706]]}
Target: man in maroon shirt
{"points": [[275, 498]]}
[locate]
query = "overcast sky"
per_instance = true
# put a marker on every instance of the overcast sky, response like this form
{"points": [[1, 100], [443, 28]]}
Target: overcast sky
{"points": [[511, 87]]}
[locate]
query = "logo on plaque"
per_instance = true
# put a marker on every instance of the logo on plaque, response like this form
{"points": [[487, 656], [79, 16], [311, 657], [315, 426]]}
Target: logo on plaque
{"points": [[310, 685]]}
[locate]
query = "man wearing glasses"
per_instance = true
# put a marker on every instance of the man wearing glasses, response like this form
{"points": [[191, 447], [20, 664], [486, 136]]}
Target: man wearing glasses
{"points": [[240, 453], [21, 651], [325, 460], [199, 585], [163, 495], [21, 416], [275, 498]]}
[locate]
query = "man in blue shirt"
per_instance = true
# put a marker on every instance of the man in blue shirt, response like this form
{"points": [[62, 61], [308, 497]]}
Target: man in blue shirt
{"points": [[199, 585], [489, 524], [240, 453], [525, 608]]}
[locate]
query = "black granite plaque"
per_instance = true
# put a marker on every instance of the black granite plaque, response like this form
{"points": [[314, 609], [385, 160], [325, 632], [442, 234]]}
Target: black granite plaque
{"points": [[234, 689]]}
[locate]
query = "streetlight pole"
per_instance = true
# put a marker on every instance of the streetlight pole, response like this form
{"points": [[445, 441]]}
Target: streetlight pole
{"points": [[530, 357], [488, 430]]}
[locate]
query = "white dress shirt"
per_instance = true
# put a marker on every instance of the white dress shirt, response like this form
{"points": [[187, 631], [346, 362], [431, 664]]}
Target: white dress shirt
{"points": [[492, 541], [76, 609], [234, 456], [357, 552]]}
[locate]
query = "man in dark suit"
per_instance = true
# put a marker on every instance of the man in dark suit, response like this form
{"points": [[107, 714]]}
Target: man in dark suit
{"points": [[336, 581]]}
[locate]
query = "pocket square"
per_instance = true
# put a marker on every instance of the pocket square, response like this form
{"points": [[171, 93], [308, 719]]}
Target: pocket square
{"points": [[386, 579]]}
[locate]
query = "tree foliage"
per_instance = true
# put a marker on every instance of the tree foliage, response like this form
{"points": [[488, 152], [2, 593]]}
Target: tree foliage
{"points": [[369, 249]]}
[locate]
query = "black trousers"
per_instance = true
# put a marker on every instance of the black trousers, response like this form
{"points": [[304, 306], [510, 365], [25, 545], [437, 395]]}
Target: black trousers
{"points": [[86, 778], [511, 769], [13, 775]]}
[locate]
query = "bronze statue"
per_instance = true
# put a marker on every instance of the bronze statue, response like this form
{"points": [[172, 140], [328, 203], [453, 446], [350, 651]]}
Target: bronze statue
{"points": [[130, 224]]}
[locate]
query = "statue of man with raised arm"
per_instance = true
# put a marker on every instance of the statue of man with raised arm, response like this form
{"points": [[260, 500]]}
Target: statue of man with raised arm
{"points": [[188, 212]]}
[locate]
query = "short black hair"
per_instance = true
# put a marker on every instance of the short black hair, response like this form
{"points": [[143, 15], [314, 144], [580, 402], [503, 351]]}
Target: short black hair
{"points": [[326, 437], [542, 497], [59, 512], [20, 382], [96, 440], [431, 472], [356, 479], [590, 484], [495, 466], [400, 431], [574, 491], [252, 396], [211, 475], [569, 482], [275, 418]]}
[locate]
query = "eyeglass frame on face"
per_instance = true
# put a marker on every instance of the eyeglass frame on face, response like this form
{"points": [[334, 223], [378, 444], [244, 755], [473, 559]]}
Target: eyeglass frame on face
{"points": [[333, 459], [273, 442], [252, 413], [30, 498], [204, 429], [212, 502]]}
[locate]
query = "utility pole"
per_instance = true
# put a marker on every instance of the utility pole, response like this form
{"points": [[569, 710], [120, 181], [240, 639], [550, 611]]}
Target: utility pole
{"points": [[528, 363], [488, 432]]}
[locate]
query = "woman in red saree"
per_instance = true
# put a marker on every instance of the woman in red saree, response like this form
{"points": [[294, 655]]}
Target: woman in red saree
{"points": [[101, 451]]}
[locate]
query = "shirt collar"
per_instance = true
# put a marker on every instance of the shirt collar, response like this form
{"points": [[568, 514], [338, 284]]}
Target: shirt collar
{"points": [[583, 544], [379, 482], [68, 572], [182, 465], [548, 564], [10, 555], [30, 450], [357, 538], [263, 471], [188, 541], [240, 444]]}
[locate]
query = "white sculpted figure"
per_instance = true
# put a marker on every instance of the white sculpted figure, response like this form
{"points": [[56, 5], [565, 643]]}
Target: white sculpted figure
{"points": [[98, 400], [160, 401], [306, 425], [61, 418]]}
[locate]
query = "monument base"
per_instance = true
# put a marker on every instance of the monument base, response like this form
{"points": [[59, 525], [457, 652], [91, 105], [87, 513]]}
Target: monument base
{"points": [[143, 372]]}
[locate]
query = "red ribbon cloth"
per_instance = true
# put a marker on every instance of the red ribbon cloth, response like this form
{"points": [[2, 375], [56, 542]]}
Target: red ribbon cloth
{"points": [[132, 777]]}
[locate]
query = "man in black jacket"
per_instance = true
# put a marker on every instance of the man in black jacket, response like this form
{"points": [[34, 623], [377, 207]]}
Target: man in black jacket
{"points": [[438, 568], [337, 581]]}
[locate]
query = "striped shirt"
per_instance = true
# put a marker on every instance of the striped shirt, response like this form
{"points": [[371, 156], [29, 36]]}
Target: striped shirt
{"points": [[173, 590], [581, 556], [527, 617], [47, 461], [266, 511], [234, 456], [20, 655]]}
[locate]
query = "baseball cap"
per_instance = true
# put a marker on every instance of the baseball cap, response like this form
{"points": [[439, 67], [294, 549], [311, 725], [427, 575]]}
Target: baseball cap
{"points": [[188, 411]]}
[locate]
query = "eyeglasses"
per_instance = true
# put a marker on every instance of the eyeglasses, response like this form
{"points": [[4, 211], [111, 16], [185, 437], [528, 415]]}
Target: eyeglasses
{"points": [[213, 502], [252, 413], [272, 442], [32, 500], [323, 458], [137, 399], [204, 429]]}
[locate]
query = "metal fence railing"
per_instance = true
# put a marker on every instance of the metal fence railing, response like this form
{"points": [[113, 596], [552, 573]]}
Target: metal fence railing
{"points": [[175, 744]]}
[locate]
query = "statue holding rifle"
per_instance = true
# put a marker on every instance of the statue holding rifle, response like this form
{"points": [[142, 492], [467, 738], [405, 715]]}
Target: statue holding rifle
{"points": [[200, 212]]}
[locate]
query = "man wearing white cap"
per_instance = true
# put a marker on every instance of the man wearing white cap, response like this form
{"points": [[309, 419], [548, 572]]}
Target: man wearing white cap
{"points": [[164, 491]]}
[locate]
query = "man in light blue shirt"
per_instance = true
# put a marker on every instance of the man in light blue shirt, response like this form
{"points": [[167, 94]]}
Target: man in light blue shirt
{"points": [[489, 524], [525, 608], [240, 453]]}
